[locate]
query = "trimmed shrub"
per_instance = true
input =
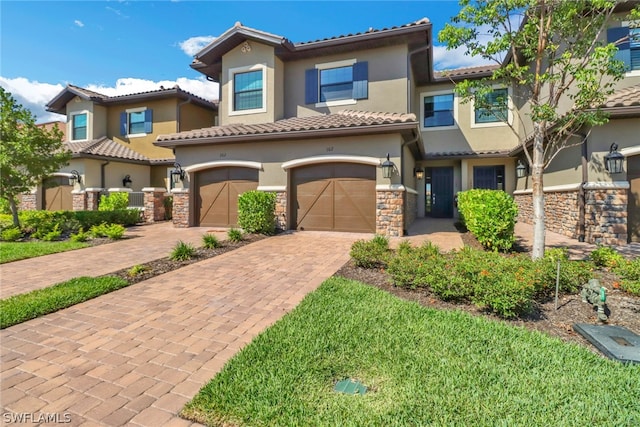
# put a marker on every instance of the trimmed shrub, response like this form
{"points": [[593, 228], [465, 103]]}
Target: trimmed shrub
{"points": [[11, 234], [40, 223], [372, 253], [53, 234], [605, 256], [491, 216], [210, 241], [114, 201], [126, 217], [630, 273], [256, 212], [416, 267], [504, 295], [235, 235], [182, 251]]}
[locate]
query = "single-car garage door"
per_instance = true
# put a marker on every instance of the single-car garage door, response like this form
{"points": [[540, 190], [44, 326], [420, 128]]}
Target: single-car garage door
{"points": [[334, 196], [57, 194], [217, 192]]}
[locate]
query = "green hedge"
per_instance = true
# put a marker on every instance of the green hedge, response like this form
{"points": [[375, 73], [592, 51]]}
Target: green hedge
{"points": [[114, 202], [256, 212], [491, 216]]}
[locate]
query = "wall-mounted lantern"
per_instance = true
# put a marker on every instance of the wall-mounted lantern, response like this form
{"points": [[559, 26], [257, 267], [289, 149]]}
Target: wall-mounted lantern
{"points": [[521, 169], [126, 181], [613, 160], [418, 173], [387, 167], [75, 177], [177, 174]]}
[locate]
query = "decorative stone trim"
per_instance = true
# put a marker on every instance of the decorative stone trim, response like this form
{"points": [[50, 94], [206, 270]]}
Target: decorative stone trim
{"points": [[180, 207], [390, 187], [630, 151], [222, 164], [389, 213], [553, 188], [276, 188], [79, 200], [120, 190], [154, 204], [601, 185], [410, 190], [281, 210], [374, 161]]}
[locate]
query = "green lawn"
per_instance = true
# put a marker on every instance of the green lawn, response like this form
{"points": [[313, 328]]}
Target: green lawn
{"points": [[14, 251], [20, 308], [423, 367]]}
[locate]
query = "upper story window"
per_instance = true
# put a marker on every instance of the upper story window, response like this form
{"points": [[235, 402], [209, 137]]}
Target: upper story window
{"points": [[438, 111], [248, 89], [79, 126], [136, 122], [497, 110], [627, 40], [337, 83]]}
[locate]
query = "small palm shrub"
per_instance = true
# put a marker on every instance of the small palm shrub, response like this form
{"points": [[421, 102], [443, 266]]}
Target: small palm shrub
{"points": [[182, 251], [11, 234], [80, 236], [53, 234], [136, 270], [210, 241], [372, 253], [235, 235]]}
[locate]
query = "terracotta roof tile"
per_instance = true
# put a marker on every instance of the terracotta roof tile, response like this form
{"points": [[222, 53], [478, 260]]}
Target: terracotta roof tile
{"points": [[465, 72], [104, 147], [342, 119], [88, 93], [627, 97], [480, 153]]}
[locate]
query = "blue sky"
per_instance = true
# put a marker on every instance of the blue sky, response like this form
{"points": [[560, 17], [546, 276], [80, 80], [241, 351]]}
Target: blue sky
{"points": [[117, 47]]}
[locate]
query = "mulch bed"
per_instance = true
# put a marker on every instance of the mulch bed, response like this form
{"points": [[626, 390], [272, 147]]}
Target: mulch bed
{"points": [[624, 309]]}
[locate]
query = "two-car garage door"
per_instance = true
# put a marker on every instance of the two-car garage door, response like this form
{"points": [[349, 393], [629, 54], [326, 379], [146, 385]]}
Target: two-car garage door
{"points": [[334, 196]]}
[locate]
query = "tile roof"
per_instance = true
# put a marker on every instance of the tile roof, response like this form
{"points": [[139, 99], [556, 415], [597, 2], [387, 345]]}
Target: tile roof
{"points": [[104, 147], [341, 120], [480, 153], [86, 92], [627, 97], [465, 72]]}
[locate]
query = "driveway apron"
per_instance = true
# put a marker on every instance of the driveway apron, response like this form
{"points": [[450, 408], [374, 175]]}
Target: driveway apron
{"points": [[137, 355]]}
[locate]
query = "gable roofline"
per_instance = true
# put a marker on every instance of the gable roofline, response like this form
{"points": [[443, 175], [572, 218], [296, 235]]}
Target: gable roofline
{"points": [[59, 102]]}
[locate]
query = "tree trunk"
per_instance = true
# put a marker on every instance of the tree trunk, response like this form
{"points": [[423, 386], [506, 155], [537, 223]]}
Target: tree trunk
{"points": [[14, 211], [537, 169]]}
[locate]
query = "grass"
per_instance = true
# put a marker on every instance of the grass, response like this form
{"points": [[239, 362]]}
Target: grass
{"points": [[423, 367], [14, 251], [23, 307]]}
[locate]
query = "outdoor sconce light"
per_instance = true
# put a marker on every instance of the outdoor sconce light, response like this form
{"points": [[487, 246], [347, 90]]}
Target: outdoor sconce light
{"points": [[613, 160], [75, 177], [126, 181], [521, 169], [177, 174], [387, 167], [418, 173]]}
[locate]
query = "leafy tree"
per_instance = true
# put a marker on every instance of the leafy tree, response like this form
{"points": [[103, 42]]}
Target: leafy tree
{"points": [[28, 153], [553, 54]]}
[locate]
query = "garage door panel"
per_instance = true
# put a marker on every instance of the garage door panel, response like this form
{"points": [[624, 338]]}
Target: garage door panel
{"points": [[57, 194], [217, 192]]}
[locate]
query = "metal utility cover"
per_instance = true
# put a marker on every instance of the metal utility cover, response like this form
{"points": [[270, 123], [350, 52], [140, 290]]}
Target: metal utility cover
{"points": [[350, 386], [615, 342]]}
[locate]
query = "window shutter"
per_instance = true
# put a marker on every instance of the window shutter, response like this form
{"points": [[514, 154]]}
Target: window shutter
{"points": [[148, 120], [123, 123], [624, 48], [311, 86], [361, 80]]}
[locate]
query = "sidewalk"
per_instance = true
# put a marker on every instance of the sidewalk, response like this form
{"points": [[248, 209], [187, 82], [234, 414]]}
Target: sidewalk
{"points": [[141, 244]]}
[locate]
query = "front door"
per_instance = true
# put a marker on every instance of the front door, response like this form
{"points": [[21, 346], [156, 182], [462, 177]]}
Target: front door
{"points": [[439, 192]]}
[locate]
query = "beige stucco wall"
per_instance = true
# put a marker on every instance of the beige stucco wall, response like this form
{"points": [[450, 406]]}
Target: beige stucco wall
{"points": [[164, 121], [465, 137], [115, 171], [387, 82], [78, 105], [159, 176], [194, 117], [273, 153], [624, 132], [236, 58]]}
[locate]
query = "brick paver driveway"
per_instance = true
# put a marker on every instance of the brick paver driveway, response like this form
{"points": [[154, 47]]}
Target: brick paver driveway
{"points": [[137, 355]]}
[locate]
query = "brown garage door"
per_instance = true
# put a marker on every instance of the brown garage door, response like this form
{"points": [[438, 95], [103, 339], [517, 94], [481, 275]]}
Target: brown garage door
{"points": [[57, 194], [336, 196], [633, 173], [217, 192]]}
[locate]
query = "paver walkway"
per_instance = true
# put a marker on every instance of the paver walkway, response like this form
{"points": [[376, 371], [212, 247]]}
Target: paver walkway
{"points": [[143, 244], [137, 355]]}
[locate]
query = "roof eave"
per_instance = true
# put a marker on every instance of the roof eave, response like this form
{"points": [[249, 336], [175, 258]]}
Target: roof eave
{"points": [[502, 154]]}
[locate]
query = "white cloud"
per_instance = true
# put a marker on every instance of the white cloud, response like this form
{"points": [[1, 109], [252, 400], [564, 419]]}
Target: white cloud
{"points": [[79, 23], [35, 95], [193, 45], [444, 59]]}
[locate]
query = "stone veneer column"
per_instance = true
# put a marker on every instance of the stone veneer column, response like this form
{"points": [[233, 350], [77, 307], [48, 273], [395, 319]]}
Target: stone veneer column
{"points": [[389, 212], [281, 210], [93, 198], [410, 208], [28, 201], [180, 207], [154, 203], [606, 215], [79, 200]]}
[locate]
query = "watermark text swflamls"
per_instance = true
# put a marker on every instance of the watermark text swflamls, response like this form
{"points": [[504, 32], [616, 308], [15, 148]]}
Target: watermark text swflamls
{"points": [[36, 417]]}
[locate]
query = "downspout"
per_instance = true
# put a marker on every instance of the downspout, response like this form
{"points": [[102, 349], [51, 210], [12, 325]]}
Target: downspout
{"points": [[178, 109], [102, 176]]}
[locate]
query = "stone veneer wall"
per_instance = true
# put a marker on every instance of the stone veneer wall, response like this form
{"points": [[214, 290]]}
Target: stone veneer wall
{"points": [[410, 208], [389, 213], [28, 202], [281, 210], [93, 198], [154, 204], [79, 200], [181, 208], [605, 214]]}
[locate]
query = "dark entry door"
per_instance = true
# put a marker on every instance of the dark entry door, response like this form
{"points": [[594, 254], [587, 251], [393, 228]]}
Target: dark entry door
{"points": [[441, 193]]}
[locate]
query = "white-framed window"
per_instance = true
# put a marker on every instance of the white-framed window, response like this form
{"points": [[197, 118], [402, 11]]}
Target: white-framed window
{"points": [[248, 90], [337, 83], [438, 110], [627, 40], [79, 126], [500, 110], [136, 122]]}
